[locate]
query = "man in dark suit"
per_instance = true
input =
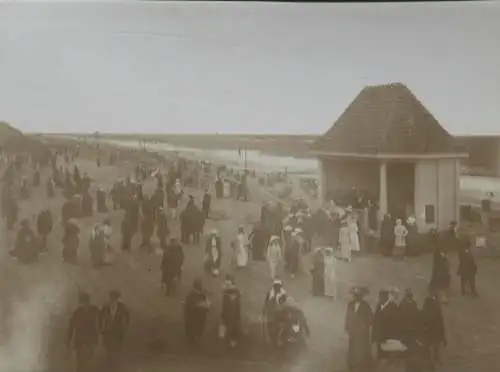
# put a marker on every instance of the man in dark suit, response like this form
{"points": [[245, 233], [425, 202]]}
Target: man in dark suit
{"points": [[467, 268], [113, 323], [83, 332]]}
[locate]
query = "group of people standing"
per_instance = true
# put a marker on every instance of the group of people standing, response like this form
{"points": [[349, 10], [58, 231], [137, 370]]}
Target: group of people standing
{"points": [[396, 330]]}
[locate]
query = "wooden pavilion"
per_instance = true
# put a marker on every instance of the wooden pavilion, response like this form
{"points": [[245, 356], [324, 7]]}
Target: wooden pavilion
{"points": [[387, 143]]}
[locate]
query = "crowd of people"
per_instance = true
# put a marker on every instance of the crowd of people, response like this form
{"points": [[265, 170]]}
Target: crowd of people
{"points": [[284, 238]]}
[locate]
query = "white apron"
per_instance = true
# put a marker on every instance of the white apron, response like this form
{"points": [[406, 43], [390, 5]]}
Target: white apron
{"points": [[241, 250], [331, 276], [353, 230]]}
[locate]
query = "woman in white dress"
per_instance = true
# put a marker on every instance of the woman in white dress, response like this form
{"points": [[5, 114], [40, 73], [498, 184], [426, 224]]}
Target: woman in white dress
{"points": [[345, 241], [108, 233], [274, 255], [240, 249], [330, 273], [352, 223]]}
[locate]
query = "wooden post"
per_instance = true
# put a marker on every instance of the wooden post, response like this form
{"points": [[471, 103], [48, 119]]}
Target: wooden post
{"points": [[383, 190]]}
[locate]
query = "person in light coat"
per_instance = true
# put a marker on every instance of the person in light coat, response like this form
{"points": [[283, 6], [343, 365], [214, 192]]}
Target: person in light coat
{"points": [[240, 249], [330, 273], [274, 255], [400, 233], [345, 241], [352, 223]]}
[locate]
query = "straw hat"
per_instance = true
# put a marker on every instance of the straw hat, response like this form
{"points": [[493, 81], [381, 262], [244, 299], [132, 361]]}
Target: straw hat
{"points": [[274, 238], [359, 290]]}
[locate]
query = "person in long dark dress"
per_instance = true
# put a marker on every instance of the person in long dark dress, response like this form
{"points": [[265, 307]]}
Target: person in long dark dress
{"points": [[358, 322], [26, 248], [387, 236], [44, 227], [83, 332], [259, 239], [385, 322], [207, 199], [162, 230], [196, 308], [114, 320], [101, 200], [467, 268], [318, 273], [71, 242], [231, 314], [171, 265], [440, 280], [410, 319], [433, 327]]}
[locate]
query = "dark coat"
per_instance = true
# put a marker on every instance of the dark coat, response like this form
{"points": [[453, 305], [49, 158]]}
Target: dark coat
{"points": [[26, 245], [231, 311], [114, 326], [440, 271], [207, 199], [44, 223], [357, 325], [466, 263], [147, 226], [410, 325], [432, 321], [386, 323], [195, 312], [162, 229], [84, 327], [172, 201], [172, 261]]}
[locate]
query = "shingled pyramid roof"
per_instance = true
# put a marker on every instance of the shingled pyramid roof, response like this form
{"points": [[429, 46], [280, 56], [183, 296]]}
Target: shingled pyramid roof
{"points": [[386, 119]]}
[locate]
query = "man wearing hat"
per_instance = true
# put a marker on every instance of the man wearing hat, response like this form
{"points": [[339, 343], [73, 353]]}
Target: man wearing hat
{"points": [[171, 265], [26, 247], [358, 323], [162, 230], [213, 253], [114, 320], [83, 332]]}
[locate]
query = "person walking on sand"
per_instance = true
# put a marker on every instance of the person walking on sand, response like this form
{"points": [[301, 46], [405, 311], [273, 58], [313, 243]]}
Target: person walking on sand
{"points": [[213, 253], [114, 319], [345, 241], [240, 249], [196, 308], [274, 255], [467, 268], [318, 272], [400, 233], [207, 200], [71, 242], [358, 323], [83, 333], [330, 273]]}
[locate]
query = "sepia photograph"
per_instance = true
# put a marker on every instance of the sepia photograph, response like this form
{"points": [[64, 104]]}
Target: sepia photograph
{"points": [[202, 186]]}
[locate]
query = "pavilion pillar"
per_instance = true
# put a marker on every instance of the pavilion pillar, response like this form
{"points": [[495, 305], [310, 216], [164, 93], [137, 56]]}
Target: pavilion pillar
{"points": [[383, 190]]}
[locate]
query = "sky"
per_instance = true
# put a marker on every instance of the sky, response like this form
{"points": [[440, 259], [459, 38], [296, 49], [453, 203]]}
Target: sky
{"points": [[192, 67]]}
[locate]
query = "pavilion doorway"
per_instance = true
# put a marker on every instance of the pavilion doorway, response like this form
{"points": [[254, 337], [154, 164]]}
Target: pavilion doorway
{"points": [[401, 189]]}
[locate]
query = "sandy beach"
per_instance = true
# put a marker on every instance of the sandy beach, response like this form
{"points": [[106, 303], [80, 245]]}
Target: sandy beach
{"points": [[40, 297]]}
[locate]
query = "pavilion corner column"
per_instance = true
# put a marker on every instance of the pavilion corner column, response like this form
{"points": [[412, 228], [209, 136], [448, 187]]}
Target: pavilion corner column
{"points": [[383, 190]]}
